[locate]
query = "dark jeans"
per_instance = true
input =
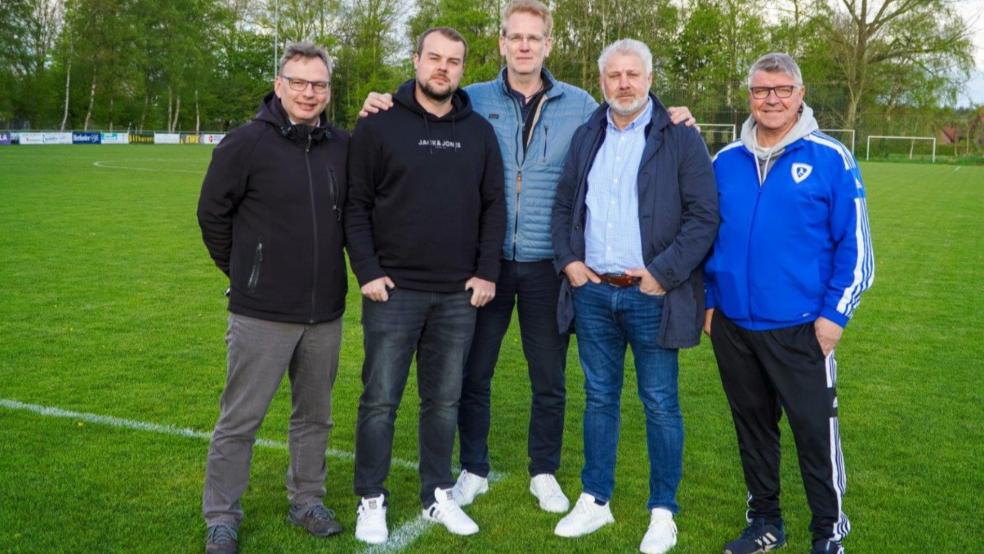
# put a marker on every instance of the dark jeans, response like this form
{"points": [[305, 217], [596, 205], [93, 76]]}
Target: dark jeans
{"points": [[438, 327], [534, 287], [607, 320]]}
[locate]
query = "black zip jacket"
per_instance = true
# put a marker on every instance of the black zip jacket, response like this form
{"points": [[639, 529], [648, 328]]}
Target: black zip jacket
{"points": [[271, 217], [425, 204]]}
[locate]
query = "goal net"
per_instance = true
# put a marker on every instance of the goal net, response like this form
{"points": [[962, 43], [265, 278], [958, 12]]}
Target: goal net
{"points": [[717, 135], [897, 148]]}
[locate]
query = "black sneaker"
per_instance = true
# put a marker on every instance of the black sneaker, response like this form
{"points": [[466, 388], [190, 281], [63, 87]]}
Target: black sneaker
{"points": [[316, 519], [827, 546], [759, 536], [221, 539]]}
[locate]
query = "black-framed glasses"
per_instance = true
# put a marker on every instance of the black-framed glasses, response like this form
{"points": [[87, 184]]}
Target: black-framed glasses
{"points": [[320, 87], [782, 91]]}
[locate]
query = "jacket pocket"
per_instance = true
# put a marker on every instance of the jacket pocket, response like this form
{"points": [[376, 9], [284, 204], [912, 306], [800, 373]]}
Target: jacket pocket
{"points": [[254, 275]]}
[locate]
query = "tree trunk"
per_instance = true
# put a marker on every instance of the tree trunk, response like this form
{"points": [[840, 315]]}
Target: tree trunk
{"points": [[177, 113], [198, 115], [92, 101], [143, 112], [68, 82], [167, 126]]}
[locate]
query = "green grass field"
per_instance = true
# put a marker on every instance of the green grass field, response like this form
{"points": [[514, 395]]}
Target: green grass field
{"points": [[111, 306]]}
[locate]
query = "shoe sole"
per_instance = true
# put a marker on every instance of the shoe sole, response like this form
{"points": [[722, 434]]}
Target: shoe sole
{"points": [[328, 533], [587, 532], [769, 549], [453, 532], [371, 541]]}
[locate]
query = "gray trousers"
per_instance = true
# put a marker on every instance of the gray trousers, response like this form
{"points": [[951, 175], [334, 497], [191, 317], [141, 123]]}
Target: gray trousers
{"points": [[260, 352]]}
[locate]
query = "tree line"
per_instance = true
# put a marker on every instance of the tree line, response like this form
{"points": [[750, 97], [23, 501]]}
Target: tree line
{"points": [[198, 65]]}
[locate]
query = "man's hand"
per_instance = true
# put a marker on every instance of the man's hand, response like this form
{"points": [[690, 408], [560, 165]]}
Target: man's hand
{"points": [[678, 115], [648, 285], [482, 291], [578, 274], [828, 334], [377, 290], [380, 102], [708, 316]]}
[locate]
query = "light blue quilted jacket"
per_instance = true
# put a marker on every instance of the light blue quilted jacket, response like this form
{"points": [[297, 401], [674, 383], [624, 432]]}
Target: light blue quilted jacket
{"points": [[531, 179]]}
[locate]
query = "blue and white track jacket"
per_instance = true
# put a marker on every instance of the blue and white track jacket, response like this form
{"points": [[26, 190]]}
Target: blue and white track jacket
{"points": [[795, 248]]}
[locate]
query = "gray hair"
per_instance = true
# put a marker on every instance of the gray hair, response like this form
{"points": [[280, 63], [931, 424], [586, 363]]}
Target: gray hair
{"points": [[305, 50], [626, 46], [776, 62]]}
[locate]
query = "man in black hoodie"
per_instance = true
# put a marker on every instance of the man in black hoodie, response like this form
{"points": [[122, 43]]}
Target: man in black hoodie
{"points": [[270, 214], [424, 221]]}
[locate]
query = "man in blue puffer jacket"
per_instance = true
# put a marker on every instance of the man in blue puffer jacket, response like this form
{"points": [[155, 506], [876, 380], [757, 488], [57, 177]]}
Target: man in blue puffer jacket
{"points": [[534, 117], [791, 259]]}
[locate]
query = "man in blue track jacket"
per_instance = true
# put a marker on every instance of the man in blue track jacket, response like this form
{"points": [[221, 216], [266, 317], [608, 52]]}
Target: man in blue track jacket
{"points": [[791, 259]]}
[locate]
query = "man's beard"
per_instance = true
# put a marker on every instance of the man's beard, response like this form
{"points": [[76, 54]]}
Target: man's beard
{"points": [[625, 110], [434, 95]]}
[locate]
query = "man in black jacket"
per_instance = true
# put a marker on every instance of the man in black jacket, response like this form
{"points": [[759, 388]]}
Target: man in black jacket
{"points": [[424, 221], [270, 214]]}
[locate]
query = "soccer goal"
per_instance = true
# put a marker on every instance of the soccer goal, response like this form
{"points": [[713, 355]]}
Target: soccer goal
{"points": [[885, 149], [846, 136], [718, 135]]}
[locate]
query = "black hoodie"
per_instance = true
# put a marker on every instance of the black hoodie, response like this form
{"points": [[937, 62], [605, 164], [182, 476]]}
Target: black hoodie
{"points": [[270, 214], [425, 204]]}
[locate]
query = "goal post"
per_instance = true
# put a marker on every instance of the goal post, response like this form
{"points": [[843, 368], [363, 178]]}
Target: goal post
{"points": [[846, 132], [717, 135], [912, 144]]}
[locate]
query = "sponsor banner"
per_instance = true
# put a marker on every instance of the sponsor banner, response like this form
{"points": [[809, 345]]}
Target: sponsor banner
{"points": [[57, 138], [189, 139], [142, 138], [212, 139], [115, 138], [32, 138], [85, 138], [167, 138], [5, 138]]}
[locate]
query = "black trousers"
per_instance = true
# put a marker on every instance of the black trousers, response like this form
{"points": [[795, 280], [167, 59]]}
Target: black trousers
{"points": [[765, 373]]}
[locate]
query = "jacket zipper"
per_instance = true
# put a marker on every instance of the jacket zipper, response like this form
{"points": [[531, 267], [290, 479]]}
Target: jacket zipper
{"points": [[314, 227], [254, 276]]}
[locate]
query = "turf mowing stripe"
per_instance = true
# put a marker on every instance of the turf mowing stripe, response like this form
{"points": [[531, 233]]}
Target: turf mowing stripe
{"points": [[50, 411]]}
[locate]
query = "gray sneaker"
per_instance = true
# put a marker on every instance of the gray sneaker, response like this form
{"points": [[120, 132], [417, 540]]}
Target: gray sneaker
{"points": [[316, 519], [221, 539]]}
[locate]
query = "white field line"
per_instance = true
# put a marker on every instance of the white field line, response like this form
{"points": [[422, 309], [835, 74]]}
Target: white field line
{"points": [[402, 537], [106, 165], [50, 411]]}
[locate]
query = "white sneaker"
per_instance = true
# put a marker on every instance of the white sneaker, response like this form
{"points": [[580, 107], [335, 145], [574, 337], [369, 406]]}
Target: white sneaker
{"points": [[447, 512], [468, 487], [370, 522], [547, 490], [662, 533], [586, 517]]}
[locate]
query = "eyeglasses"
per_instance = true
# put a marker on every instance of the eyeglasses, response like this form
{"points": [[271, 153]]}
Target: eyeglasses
{"points": [[319, 87], [518, 38], [782, 91]]}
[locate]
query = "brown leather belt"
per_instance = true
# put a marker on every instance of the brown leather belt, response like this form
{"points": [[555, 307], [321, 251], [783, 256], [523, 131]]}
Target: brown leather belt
{"points": [[619, 279]]}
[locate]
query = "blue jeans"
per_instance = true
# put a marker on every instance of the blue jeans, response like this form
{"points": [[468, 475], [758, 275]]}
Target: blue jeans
{"points": [[607, 319], [438, 327], [534, 286]]}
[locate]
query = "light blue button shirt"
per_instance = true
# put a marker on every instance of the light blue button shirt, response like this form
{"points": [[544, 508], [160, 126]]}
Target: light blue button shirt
{"points": [[611, 232]]}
